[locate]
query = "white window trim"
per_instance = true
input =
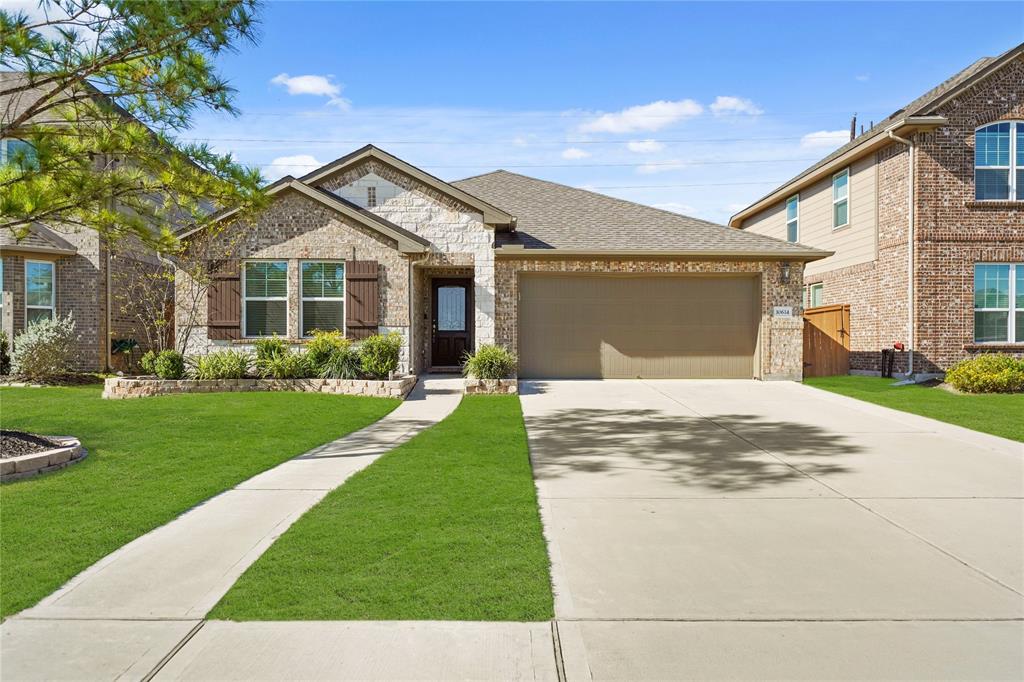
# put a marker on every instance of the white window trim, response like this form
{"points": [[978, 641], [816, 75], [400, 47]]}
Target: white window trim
{"points": [[794, 220], [1011, 169], [287, 292], [810, 293], [1011, 316], [53, 289], [303, 298], [849, 214]]}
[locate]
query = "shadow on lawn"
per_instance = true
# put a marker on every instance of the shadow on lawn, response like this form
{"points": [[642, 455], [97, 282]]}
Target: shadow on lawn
{"points": [[687, 450]]}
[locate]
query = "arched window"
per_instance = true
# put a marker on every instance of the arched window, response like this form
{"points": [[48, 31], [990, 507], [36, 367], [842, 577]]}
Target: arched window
{"points": [[999, 161]]}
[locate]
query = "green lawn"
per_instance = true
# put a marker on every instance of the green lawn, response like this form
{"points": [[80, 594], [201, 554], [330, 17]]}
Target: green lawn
{"points": [[997, 413], [149, 460], [444, 527]]}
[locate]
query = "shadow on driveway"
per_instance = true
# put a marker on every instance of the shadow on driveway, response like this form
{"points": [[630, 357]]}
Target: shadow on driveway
{"points": [[687, 450]]}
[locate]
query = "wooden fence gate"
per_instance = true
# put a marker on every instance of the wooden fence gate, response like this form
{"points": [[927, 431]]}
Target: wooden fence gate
{"points": [[826, 340]]}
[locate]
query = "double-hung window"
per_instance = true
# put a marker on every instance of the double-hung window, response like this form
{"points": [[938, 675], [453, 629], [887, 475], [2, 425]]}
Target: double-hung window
{"points": [[323, 296], [265, 297], [999, 162], [793, 219], [40, 291], [841, 199], [999, 303]]}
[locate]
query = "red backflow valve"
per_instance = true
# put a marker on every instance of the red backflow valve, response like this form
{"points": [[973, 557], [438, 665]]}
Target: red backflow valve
{"points": [[899, 346]]}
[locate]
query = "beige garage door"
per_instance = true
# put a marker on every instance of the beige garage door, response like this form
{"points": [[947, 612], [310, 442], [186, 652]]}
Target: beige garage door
{"points": [[625, 327]]}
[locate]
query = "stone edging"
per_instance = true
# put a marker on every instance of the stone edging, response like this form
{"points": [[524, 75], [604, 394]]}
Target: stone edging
{"points": [[120, 388], [41, 462], [491, 386]]}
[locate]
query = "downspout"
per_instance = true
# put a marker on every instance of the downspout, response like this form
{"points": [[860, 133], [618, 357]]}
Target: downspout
{"points": [[412, 318], [910, 250]]}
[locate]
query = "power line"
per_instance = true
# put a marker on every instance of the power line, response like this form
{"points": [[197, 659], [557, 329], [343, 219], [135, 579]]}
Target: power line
{"points": [[680, 164]]}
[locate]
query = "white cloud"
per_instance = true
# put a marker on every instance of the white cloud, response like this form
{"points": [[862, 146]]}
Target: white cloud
{"points": [[319, 86], [653, 116], [300, 164], [863, 77], [825, 139], [733, 209], [645, 146], [676, 207], [732, 106], [660, 167], [573, 153]]}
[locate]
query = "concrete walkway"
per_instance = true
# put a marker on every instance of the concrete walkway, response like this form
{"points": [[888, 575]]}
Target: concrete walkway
{"points": [[124, 614], [747, 530]]}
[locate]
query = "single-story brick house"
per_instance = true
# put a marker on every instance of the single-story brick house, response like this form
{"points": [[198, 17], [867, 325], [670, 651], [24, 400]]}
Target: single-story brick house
{"points": [[577, 284]]}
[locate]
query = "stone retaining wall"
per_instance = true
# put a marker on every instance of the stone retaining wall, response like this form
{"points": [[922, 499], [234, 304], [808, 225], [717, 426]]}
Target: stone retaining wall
{"points": [[40, 462], [143, 387], [491, 386]]}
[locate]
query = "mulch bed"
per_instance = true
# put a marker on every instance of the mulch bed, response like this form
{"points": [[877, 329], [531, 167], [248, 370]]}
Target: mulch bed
{"points": [[17, 443]]}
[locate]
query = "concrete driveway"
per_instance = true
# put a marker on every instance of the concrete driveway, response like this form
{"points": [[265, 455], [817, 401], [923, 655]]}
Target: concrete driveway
{"points": [[747, 530]]}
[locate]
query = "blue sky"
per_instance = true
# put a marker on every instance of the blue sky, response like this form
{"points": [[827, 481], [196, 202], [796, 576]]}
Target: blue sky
{"points": [[692, 107]]}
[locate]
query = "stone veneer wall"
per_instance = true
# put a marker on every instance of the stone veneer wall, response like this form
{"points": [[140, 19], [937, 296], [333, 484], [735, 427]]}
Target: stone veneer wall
{"points": [[781, 339], [457, 234], [117, 388]]}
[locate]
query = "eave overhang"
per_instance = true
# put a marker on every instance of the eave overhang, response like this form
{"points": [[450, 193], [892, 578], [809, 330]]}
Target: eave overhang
{"points": [[905, 126]]}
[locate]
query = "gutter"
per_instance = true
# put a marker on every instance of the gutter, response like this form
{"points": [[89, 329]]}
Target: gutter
{"points": [[911, 151]]}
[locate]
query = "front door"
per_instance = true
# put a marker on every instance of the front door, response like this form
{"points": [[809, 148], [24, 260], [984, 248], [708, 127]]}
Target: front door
{"points": [[452, 324]]}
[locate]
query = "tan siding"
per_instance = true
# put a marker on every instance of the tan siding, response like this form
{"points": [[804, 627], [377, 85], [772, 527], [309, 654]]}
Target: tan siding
{"points": [[852, 244]]}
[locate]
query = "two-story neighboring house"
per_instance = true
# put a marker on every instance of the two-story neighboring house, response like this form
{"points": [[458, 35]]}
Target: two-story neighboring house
{"points": [[925, 215], [59, 269]]}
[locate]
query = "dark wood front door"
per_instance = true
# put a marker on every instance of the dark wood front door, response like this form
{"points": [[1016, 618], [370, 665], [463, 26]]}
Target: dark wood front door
{"points": [[452, 323]]}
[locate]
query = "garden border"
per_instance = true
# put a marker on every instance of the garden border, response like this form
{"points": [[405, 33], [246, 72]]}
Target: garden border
{"points": [[123, 388], [491, 386], [34, 463]]}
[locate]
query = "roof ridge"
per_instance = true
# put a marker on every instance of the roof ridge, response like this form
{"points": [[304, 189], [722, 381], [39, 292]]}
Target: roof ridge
{"points": [[600, 194]]}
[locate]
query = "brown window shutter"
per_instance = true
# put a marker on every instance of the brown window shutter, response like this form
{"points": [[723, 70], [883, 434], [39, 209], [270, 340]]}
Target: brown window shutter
{"points": [[362, 298], [224, 301]]}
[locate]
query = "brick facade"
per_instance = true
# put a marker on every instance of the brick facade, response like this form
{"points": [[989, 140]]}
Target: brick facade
{"points": [[80, 290], [781, 340], [952, 232]]}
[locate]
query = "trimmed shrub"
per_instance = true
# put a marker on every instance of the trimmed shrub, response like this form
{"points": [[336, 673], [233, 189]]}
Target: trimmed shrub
{"points": [[44, 349], [287, 366], [169, 364], [225, 364], [989, 373], [379, 354], [323, 344], [343, 363], [269, 347], [148, 362], [490, 362], [5, 354]]}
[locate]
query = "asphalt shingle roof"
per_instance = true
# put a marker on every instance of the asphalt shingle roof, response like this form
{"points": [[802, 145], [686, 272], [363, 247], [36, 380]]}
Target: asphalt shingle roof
{"points": [[554, 216]]}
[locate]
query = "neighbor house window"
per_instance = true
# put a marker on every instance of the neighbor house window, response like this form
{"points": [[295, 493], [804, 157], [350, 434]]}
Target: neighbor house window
{"points": [[999, 303], [999, 161], [40, 293], [841, 199], [793, 219], [814, 294], [265, 294], [18, 152], [371, 196], [323, 296]]}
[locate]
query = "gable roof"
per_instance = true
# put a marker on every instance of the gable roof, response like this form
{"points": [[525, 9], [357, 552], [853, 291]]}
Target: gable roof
{"points": [[40, 239], [564, 220], [492, 214], [408, 242], [915, 116]]}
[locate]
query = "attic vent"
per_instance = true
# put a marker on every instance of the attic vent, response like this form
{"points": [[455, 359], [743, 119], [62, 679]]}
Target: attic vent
{"points": [[371, 196]]}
